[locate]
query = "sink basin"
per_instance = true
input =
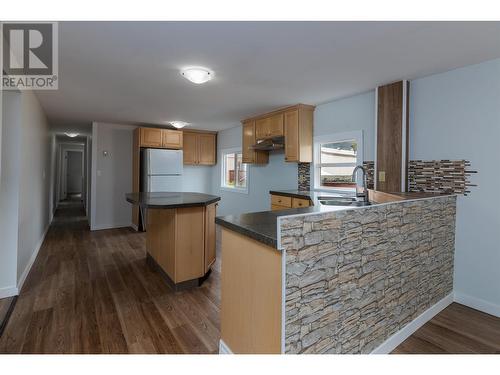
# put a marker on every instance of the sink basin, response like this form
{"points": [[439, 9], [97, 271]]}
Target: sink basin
{"points": [[344, 202]]}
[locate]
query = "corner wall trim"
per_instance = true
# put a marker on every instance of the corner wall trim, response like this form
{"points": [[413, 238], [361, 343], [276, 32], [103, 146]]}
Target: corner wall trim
{"points": [[27, 269], [9, 291], [223, 348], [392, 342], [477, 304]]}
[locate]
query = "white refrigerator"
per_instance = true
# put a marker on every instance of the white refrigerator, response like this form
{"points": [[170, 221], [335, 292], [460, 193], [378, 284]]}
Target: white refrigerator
{"points": [[161, 170]]}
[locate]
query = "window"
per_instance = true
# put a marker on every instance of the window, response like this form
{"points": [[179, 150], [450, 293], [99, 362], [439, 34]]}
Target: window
{"points": [[335, 158], [234, 174]]}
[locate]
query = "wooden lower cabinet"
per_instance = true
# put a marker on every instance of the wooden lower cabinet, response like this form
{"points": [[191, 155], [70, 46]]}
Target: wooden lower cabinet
{"points": [[182, 241], [251, 295], [281, 202]]}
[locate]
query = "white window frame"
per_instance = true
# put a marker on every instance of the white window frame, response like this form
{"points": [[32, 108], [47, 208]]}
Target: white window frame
{"points": [[223, 185], [356, 135]]}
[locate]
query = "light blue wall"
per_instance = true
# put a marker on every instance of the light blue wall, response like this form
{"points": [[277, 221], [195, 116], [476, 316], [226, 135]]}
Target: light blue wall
{"points": [[349, 114], [197, 179], [275, 175], [456, 115]]}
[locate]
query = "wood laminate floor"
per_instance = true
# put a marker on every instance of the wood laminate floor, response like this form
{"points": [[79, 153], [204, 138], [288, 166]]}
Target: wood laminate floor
{"points": [[92, 292]]}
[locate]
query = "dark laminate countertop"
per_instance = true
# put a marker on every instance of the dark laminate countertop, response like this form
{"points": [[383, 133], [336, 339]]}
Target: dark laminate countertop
{"points": [[262, 226], [171, 199]]}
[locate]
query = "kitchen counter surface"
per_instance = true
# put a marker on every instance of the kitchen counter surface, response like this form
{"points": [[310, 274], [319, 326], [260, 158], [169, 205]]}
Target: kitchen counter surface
{"points": [[171, 199], [262, 226]]}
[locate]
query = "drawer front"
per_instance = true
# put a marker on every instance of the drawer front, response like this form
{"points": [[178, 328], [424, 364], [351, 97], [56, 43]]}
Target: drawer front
{"points": [[275, 207], [279, 200], [297, 203]]}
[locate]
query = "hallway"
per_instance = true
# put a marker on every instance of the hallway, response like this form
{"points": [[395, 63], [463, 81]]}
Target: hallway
{"points": [[92, 292]]}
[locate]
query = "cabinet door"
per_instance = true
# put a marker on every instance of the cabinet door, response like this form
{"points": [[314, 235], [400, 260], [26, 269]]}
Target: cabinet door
{"points": [[292, 135], [276, 125], [248, 142], [151, 137], [206, 149], [210, 244], [190, 150], [298, 203], [262, 128], [172, 139]]}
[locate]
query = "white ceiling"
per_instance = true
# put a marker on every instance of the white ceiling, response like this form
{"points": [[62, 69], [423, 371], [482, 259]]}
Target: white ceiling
{"points": [[128, 72]]}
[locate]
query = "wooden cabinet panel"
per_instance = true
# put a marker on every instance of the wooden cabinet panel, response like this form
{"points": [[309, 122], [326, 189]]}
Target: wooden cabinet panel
{"points": [[200, 148], [190, 244], [136, 165], [206, 149], [171, 139], [276, 125], [262, 128], [280, 200], [210, 244], [292, 135], [151, 137], [249, 154], [275, 207], [190, 149], [298, 203]]}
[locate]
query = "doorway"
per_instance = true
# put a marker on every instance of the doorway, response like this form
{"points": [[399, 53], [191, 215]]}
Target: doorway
{"points": [[73, 167]]}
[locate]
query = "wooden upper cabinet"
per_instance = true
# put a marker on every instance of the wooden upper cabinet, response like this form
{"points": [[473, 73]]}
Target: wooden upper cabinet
{"points": [[190, 150], [262, 128], [151, 137], [206, 149], [292, 135], [276, 125], [171, 139], [251, 156], [271, 126], [160, 138], [200, 148], [295, 123]]}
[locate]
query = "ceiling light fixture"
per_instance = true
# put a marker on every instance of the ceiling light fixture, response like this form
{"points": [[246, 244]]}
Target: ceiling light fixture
{"points": [[178, 124], [72, 135], [197, 75]]}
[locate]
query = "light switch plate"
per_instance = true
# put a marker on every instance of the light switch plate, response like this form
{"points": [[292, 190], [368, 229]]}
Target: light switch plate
{"points": [[381, 176]]}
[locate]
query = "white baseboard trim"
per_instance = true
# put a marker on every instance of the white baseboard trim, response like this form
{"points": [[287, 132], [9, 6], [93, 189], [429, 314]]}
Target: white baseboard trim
{"points": [[8, 292], [27, 269], [392, 342], [109, 226], [223, 348], [477, 304]]}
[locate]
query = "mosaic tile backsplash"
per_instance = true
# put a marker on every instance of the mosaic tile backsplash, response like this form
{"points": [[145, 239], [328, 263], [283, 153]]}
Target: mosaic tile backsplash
{"points": [[304, 176], [433, 176]]}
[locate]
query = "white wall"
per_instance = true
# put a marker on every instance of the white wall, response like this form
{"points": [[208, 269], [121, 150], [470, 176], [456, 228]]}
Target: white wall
{"points": [[277, 175], [111, 175], [456, 115], [9, 192], [34, 187]]}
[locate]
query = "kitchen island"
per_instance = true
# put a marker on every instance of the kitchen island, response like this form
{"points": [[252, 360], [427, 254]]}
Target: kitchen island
{"points": [[335, 279], [180, 235]]}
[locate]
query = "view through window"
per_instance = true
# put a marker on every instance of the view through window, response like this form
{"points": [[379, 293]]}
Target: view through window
{"points": [[234, 171], [337, 162]]}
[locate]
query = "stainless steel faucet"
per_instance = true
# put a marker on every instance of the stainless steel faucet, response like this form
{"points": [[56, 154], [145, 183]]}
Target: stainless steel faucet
{"points": [[365, 190]]}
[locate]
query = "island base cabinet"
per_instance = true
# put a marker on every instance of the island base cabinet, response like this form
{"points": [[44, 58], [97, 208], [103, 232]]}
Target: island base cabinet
{"points": [[181, 243], [251, 295]]}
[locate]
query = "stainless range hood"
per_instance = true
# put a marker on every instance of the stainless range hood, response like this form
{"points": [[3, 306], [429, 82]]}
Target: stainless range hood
{"points": [[270, 144]]}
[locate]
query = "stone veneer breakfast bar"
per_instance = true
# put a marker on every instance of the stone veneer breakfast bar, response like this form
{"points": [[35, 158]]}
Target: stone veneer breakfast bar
{"points": [[335, 281]]}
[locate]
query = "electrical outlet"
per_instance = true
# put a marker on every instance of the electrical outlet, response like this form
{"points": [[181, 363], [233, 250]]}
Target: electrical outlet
{"points": [[381, 176]]}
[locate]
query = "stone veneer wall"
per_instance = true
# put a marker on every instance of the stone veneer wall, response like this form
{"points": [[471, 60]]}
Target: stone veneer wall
{"points": [[356, 277], [304, 176]]}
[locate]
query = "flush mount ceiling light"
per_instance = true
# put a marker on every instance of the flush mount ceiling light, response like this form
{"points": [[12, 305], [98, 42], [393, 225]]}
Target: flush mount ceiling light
{"points": [[72, 135], [178, 124], [197, 75]]}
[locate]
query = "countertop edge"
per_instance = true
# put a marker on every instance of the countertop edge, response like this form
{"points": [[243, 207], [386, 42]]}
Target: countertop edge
{"points": [[180, 205], [289, 194], [268, 241]]}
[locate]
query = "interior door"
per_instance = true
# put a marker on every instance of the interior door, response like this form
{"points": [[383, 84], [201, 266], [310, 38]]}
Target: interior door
{"points": [[74, 172]]}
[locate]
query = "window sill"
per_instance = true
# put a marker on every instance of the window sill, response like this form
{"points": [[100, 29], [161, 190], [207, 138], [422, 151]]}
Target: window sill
{"points": [[235, 190]]}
